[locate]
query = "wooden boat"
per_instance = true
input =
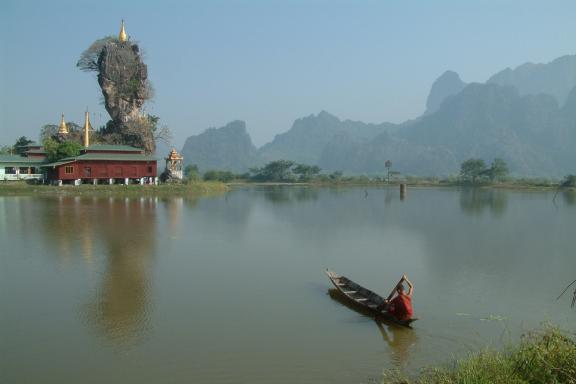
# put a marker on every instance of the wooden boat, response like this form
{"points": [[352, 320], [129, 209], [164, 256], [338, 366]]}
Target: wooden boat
{"points": [[364, 299]]}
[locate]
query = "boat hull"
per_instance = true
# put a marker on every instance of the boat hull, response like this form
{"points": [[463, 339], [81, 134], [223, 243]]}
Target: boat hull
{"points": [[363, 299]]}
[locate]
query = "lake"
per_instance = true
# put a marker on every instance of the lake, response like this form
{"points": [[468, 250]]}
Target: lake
{"points": [[231, 289]]}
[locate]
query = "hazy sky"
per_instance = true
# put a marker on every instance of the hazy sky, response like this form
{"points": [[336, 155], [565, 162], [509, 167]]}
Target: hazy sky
{"points": [[267, 62]]}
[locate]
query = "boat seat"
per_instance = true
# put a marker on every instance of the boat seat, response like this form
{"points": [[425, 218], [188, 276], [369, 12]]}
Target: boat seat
{"points": [[349, 292]]}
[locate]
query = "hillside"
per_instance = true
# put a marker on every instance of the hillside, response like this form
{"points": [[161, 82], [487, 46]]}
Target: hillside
{"points": [[526, 116]]}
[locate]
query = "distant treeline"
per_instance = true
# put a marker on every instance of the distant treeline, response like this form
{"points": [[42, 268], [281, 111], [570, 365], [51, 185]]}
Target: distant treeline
{"points": [[472, 172]]}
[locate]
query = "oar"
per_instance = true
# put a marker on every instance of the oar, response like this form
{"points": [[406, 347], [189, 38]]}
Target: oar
{"points": [[394, 290]]}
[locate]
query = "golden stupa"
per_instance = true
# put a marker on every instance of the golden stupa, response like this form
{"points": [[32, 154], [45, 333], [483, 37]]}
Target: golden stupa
{"points": [[63, 129], [87, 129], [122, 36]]}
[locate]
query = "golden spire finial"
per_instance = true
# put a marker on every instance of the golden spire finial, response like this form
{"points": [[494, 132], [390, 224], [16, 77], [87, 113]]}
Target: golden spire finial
{"points": [[87, 129], [63, 130], [122, 36]]}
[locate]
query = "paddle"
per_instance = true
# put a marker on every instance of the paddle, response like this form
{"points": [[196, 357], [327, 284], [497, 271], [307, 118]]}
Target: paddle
{"points": [[383, 307], [394, 289]]}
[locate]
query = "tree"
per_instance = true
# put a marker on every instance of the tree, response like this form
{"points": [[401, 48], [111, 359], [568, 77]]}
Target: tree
{"points": [[88, 61], [278, 170], [472, 169], [20, 145], [56, 151], [569, 181], [191, 173], [388, 165], [6, 150], [223, 176], [498, 170], [336, 175], [306, 172]]}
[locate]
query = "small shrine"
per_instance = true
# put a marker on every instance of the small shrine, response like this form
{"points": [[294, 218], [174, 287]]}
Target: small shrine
{"points": [[175, 165]]}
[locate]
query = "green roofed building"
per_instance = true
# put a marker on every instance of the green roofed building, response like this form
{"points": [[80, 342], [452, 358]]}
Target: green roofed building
{"points": [[16, 167], [99, 163]]}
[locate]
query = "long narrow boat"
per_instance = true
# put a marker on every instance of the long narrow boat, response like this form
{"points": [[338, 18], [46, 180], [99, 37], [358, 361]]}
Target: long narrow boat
{"points": [[364, 298]]}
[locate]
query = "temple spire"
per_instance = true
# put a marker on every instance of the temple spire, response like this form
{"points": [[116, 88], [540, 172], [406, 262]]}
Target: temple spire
{"points": [[122, 36], [63, 129], [87, 130]]}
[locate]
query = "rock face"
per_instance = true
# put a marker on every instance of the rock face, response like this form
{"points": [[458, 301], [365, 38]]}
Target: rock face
{"points": [[309, 136], [123, 77], [556, 78], [229, 148], [446, 85], [525, 116]]}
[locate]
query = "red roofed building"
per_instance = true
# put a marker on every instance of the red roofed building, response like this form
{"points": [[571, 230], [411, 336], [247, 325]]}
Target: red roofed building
{"points": [[107, 164]]}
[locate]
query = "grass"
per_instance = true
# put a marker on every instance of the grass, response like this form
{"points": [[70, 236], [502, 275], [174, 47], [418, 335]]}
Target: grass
{"points": [[542, 357], [195, 188]]}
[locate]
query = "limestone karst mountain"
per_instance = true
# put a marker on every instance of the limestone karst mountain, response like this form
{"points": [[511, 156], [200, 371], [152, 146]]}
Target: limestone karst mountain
{"points": [[446, 85], [556, 78], [308, 137], [227, 148], [123, 79], [518, 116]]}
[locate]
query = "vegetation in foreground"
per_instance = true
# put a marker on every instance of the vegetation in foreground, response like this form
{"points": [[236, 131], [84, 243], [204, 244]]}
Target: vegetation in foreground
{"points": [[547, 356], [193, 188]]}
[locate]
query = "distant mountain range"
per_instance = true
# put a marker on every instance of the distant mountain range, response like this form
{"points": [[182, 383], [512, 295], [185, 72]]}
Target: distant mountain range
{"points": [[526, 116]]}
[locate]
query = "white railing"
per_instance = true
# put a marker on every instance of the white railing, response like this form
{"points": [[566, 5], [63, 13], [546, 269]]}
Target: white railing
{"points": [[22, 176]]}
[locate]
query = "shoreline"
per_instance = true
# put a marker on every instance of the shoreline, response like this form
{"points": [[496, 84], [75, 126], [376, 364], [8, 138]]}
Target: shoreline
{"points": [[201, 188], [192, 189], [546, 355], [501, 186]]}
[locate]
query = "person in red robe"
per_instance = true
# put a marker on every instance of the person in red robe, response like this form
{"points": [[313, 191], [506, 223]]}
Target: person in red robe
{"points": [[400, 306]]}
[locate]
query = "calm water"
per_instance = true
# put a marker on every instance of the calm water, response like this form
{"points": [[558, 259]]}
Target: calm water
{"points": [[231, 289]]}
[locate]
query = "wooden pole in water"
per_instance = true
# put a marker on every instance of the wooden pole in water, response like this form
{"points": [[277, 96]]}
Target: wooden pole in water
{"points": [[402, 191]]}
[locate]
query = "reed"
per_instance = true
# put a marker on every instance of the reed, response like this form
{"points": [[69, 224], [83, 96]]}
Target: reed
{"points": [[545, 356]]}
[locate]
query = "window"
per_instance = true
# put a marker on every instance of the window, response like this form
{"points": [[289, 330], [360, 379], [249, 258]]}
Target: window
{"points": [[149, 169], [69, 169], [10, 170], [87, 172]]}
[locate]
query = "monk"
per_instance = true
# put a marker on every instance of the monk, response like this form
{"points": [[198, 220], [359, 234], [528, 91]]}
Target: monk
{"points": [[401, 304]]}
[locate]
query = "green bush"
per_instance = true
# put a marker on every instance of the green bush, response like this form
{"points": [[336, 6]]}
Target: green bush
{"points": [[223, 176], [543, 357]]}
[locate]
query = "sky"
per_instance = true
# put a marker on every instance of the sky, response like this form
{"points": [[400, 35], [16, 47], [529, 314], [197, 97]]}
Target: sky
{"points": [[267, 62]]}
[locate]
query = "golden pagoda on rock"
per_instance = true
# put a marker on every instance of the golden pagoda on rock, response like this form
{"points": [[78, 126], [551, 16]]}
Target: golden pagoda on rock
{"points": [[63, 129], [87, 130], [122, 36]]}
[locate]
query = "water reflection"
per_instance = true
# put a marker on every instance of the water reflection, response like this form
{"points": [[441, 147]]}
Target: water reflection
{"points": [[120, 309], [569, 197], [125, 230], [400, 339], [475, 201], [282, 194]]}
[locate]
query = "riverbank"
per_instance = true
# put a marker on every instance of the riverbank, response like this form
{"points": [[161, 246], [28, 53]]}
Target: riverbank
{"points": [[190, 189], [546, 356], [423, 183]]}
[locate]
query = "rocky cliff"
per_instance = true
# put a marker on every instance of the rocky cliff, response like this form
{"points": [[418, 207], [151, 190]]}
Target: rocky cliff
{"points": [[446, 85], [229, 147]]}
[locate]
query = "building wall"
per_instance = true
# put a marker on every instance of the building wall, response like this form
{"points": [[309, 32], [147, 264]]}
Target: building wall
{"points": [[20, 173], [115, 152], [104, 169]]}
